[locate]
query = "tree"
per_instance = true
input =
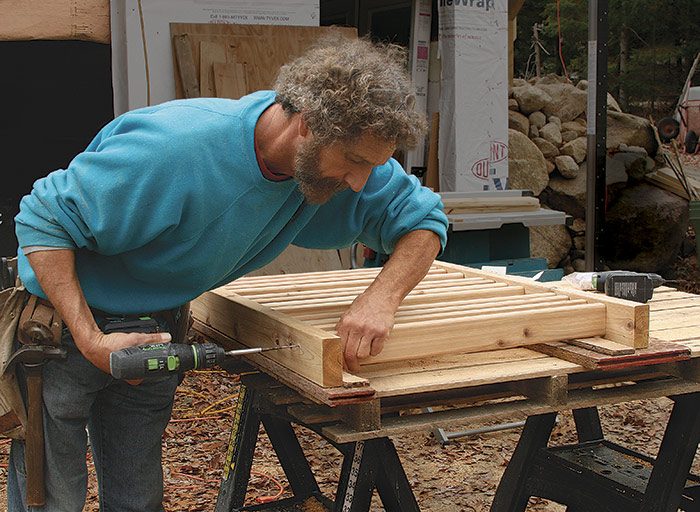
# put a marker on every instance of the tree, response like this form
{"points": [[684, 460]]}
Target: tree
{"points": [[651, 46]]}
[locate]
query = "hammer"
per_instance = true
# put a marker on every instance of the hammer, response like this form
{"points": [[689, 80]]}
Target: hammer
{"points": [[39, 332]]}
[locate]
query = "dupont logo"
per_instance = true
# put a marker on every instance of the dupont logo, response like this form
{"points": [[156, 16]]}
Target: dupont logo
{"points": [[498, 152], [479, 4]]}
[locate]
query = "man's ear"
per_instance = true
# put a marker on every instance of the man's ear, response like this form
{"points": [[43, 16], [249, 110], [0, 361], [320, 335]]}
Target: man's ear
{"points": [[303, 127]]}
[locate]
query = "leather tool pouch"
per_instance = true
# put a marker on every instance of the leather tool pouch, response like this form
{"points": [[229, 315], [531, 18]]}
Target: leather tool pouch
{"points": [[13, 415], [28, 319]]}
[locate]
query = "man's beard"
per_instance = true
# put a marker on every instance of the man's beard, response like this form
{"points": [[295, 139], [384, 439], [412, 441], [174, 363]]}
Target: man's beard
{"points": [[316, 189]]}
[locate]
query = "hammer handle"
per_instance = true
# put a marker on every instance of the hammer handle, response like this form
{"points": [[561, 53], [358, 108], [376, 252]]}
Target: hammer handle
{"points": [[34, 439]]}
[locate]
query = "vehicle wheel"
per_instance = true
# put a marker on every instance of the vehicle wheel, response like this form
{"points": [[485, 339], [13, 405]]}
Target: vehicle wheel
{"points": [[691, 142], [668, 129]]}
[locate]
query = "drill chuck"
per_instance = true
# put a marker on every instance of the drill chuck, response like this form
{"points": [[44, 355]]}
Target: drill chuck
{"points": [[158, 359]]}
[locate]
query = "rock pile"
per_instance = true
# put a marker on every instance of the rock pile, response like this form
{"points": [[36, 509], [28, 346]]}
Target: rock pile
{"points": [[645, 225]]}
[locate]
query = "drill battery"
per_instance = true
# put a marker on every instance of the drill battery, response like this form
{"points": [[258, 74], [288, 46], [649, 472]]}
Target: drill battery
{"points": [[144, 324]]}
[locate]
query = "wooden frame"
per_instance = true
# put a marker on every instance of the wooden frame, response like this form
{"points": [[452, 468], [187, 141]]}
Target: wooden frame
{"points": [[455, 309]]}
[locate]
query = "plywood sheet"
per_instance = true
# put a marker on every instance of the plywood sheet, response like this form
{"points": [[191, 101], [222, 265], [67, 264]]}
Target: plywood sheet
{"points": [[263, 49]]}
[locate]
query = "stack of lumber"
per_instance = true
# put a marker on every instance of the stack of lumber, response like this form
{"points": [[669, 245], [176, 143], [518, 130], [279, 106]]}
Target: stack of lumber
{"points": [[490, 204], [230, 61], [454, 310], [666, 179]]}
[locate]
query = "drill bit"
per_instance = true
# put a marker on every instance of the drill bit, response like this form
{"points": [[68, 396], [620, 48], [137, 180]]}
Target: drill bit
{"points": [[256, 350]]}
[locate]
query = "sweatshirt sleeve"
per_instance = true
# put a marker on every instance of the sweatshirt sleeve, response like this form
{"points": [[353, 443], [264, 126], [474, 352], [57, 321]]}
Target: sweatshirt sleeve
{"points": [[113, 197], [391, 204]]}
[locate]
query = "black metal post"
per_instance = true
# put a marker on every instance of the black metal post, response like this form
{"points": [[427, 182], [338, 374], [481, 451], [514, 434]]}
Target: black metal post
{"points": [[597, 126]]}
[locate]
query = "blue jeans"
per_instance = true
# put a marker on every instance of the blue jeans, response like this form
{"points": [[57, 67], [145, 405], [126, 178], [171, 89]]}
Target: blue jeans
{"points": [[126, 425]]}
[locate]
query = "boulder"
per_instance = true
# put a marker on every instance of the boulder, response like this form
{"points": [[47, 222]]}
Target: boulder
{"points": [[580, 243], [534, 132], [512, 104], [517, 82], [550, 166], [548, 149], [555, 120], [630, 130], [579, 265], [550, 242], [636, 164], [576, 149], [574, 126], [612, 103], [567, 166], [551, 133], [519, 122], [530, 98], [578, 226], [552, 78], [645, 228], [527, 169], [568, 135], [615, 171], [567, 195], [537, 119], [633, 149], [567, 102]]}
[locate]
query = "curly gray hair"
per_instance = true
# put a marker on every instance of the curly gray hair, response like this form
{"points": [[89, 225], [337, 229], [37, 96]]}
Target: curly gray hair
{"points": [[345, 87]]}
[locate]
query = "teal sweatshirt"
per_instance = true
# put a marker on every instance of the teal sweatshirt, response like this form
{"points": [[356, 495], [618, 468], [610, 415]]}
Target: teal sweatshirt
{"points": [[168, 202]]}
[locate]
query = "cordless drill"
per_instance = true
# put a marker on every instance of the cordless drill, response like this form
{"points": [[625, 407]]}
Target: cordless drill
{"points": [[623, 284], [157, 359]]}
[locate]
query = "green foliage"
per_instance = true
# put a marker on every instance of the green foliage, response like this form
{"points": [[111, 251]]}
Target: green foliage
{"points": [[663, 39]]}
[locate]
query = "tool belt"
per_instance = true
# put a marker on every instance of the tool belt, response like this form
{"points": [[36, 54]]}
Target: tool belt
{"points": [[178, 321], [13, 414], [32, 321]]}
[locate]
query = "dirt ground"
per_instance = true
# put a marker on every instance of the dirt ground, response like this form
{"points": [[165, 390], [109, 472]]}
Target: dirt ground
{"points": [[459, 477]]}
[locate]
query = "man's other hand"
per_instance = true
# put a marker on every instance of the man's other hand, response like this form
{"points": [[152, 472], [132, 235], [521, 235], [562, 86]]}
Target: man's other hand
{"points": [[364, 328]]}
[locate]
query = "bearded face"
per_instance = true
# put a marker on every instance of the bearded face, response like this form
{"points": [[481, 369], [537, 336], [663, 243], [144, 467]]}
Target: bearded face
{"points": [[307, 173]]}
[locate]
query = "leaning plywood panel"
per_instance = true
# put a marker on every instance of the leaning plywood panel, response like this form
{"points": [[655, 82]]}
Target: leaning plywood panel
{"points": [[263, 49]]}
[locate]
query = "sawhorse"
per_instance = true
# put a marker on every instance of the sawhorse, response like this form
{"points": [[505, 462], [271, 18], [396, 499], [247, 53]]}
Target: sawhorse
{"points": [[597, 475], [367, 465]]}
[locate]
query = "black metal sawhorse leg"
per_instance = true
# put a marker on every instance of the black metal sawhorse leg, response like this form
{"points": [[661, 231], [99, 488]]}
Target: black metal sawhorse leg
{"points": [[367, 465], [563, 474]]}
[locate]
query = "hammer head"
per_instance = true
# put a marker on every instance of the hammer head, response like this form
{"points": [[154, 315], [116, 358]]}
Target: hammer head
{"points": [[34, 355]]}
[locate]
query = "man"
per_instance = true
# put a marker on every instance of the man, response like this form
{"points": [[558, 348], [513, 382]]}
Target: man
{"points": [[173, 200]]}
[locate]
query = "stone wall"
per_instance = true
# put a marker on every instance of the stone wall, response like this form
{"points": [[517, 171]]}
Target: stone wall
{"points": [[645, 225]]}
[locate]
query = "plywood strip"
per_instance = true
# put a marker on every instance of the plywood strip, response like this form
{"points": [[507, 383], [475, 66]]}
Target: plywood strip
{"points": [[447, 361], [437, 307], [357, 290], [669, 296], [474, 292], [316, 277], [209, 53], [330, 326], [230, 79], [319, 357], [243, 288], [492, 332], [404, 384], [678, 303]]}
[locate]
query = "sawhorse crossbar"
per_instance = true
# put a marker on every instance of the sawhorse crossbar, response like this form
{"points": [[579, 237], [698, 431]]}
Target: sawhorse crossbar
{"points": [[597, 475], [367, 465]]}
